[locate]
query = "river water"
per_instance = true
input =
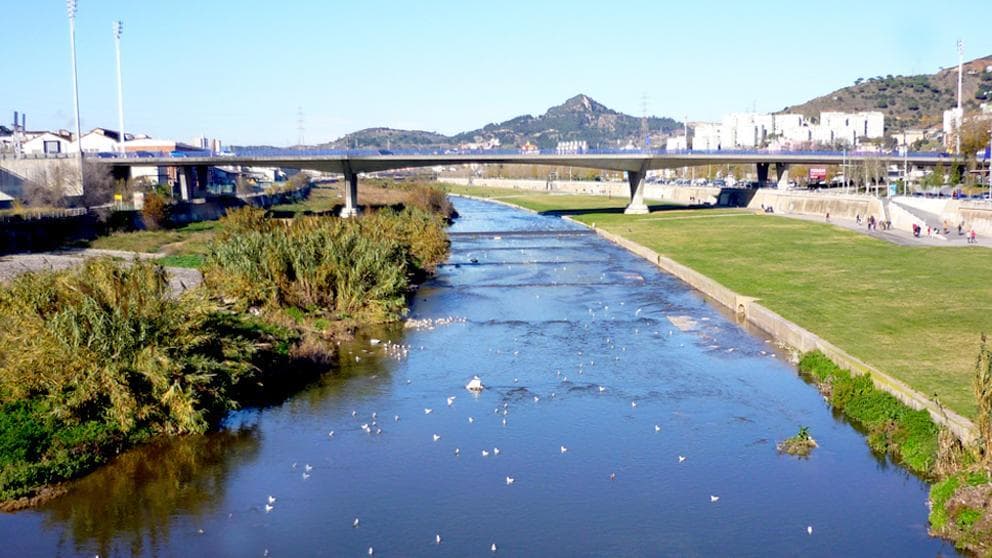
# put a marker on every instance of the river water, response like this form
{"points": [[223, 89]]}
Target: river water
{"points": [[605, 371]]}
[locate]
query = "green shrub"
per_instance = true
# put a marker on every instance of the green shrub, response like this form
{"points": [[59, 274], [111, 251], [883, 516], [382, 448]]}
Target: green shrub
{"points": [[358, 267], [108, 342], [891, 427]]}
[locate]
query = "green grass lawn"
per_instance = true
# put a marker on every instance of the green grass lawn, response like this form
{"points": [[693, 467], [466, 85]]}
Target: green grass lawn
{"points": [[913, 312], [321, 199], [184, 246]]}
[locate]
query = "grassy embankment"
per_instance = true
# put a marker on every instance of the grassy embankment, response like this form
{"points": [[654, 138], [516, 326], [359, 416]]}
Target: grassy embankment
{"points": [[914, 312], [98, 358]]}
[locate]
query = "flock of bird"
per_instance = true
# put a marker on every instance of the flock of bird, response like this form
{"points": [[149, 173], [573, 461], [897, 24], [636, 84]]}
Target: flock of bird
{"points": [[372, 427]]}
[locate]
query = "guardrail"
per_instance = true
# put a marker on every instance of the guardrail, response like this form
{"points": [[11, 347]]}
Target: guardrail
{"points": [[38, 215], [280, 152]]}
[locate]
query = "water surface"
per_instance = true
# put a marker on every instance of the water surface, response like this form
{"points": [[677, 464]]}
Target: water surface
{"points": [[575, 341]]}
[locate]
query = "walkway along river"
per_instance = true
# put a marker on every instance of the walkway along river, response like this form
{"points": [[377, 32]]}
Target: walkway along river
{"points": [[623, 416]]}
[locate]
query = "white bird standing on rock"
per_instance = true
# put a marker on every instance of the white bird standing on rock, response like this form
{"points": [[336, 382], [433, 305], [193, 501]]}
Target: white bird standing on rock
{"points": [[495, 451], [493, 547], [437, 538], [809, 529], [355, 523]]}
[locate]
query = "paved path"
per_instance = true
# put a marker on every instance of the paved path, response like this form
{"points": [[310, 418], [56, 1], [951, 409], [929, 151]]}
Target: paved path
{"points": [[895, 236], [180, 279]]}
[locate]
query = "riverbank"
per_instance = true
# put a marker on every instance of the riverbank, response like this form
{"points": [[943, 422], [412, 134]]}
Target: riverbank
{"points": [[102, 357]]}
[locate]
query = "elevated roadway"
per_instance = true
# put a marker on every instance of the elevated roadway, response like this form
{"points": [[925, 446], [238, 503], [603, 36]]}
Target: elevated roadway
{"points": [[635, 163]]}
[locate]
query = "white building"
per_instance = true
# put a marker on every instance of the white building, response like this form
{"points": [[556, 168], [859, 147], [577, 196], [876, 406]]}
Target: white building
{"points": [[100, 140], [849, 127], [207, 144], [47, 143], [676, 143], [952, 123], [574, 146], [706, 136]]}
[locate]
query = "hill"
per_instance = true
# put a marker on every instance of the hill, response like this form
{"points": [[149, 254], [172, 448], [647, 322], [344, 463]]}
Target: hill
{"points": [[580, 118], [908, 101]]}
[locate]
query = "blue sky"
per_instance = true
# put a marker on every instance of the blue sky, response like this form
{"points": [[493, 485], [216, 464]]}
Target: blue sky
{"points": [[239, 70]]}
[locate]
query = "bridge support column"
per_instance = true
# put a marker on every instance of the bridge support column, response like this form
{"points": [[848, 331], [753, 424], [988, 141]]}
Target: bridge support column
{"points": [[762, 174], [184, 183], [202, 177], [636, 181], [782, 170], [350, 208]]}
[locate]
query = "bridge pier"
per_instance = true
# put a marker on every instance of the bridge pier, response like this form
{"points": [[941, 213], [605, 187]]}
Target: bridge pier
{"points": [[782, 170], [762, 174], [202, 178], [350, 208], [185, 183], [636, 181]]}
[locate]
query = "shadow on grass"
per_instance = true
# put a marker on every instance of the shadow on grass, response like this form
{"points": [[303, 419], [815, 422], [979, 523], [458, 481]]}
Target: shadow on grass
{"points": [[619, 210]]}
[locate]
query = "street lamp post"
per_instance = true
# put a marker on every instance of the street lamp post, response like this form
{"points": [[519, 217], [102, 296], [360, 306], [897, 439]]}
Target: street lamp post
{"points": [[70, 8], [960, 115], [989, 161], [905, 170], [118, 29]]}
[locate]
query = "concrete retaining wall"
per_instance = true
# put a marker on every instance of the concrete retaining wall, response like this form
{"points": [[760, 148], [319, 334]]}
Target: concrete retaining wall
{"points": [[811, 203], [687, 195], [15, 172], [973, 213]]}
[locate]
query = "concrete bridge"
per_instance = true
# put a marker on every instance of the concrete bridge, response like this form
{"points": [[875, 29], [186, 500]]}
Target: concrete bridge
{"points": [[635, 163]]}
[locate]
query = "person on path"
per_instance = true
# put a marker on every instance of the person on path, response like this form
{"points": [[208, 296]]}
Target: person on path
{"points": [[828, 217], [973, 239]]}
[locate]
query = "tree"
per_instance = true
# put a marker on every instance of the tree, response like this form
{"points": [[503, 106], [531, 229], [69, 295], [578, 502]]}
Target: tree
{"points": [[99, 184], [50, 184]]}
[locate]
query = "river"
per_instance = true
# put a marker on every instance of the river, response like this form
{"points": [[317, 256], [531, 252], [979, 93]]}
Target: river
{"points": [[634, 417]]}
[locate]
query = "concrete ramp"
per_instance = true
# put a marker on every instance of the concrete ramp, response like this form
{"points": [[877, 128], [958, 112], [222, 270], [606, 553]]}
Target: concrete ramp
{"points": [[919, 215]]}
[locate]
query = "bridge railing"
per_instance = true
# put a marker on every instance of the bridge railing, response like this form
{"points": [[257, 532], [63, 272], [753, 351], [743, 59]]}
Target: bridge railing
{"points": [[294, 153]]}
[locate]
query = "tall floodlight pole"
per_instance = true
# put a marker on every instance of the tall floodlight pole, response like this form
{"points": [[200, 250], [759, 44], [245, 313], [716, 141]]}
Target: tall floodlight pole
{"points": [[905, 170], [960, 113], [70, 8], [118, 29], [685, 131]]}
